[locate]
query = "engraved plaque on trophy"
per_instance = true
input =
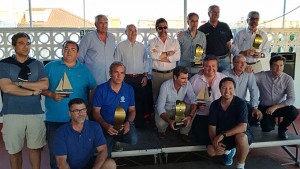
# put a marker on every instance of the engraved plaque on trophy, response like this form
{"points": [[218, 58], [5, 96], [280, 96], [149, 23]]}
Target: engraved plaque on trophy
{"points": [[120, 116], [179, 114], [198, 58]]}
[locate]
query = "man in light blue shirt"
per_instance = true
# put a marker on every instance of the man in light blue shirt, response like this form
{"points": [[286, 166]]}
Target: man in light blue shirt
{"points": [[277, 96], [188, 41], [172, 90], [133, 55], [97, 50], [244, 82]]}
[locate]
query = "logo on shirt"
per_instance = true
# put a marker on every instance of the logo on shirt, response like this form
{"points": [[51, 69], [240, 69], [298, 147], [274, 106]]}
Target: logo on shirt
{"points": [[122, 99]]}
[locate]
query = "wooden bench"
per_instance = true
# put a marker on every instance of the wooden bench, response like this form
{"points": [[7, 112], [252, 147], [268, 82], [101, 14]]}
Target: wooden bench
{"points": [[150, 144]]}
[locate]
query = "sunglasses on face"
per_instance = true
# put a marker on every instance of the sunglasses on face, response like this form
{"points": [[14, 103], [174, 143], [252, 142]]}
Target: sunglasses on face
{"points": [[253, 19], [160, 28]]}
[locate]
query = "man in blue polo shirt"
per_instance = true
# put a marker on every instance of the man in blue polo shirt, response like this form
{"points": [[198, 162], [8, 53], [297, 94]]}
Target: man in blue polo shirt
{"points": [[106, 99], [76, 141], [82, 82]]}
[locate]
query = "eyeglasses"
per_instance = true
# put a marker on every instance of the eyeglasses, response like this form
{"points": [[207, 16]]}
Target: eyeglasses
{"points": [[77, 111], [160, 28], [253, 19]]}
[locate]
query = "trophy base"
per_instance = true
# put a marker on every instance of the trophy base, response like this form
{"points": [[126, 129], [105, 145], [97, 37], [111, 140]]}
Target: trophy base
{"points": [[120, 130], [179, 124], [197, 65]]}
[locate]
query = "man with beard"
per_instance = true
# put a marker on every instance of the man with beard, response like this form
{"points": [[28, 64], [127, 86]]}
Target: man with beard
{"points": [[243, 43]]}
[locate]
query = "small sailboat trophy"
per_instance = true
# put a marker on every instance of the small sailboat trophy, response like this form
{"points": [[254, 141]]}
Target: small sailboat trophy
{"points": [[120, 116], [179, 114], [64, 86], [203, 95]]}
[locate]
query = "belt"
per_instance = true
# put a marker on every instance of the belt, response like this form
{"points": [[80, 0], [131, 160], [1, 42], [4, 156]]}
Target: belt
{"points": [[252, 63], [221, 57], [133, 75], [158, 71]]}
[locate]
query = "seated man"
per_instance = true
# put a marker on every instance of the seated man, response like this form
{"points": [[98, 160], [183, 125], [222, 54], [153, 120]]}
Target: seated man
{"points": [[106, 99], [76, 141], [245, 82], [277, 96], [228, 125], [172, 90]]}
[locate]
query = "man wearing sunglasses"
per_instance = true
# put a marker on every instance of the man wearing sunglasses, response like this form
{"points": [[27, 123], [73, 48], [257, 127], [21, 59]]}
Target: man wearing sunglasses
{"points": [[208, 79], [165, 52], [243, 43]]}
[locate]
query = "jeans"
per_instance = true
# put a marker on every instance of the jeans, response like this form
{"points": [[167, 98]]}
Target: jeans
{"points": [[50, 133], [129, 138], [224, 64]]}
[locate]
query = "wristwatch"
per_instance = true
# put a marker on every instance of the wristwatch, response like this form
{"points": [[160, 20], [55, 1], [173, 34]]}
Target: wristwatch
{"points": [[20, 84]]}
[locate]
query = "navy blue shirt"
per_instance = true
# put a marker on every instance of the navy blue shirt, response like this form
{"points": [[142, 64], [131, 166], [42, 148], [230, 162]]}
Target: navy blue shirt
{"points": [[79, 147], [107, 99], [235, 114], [216, 38]]}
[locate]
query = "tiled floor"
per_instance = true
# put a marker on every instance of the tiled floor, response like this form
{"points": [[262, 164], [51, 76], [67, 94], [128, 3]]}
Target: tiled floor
{"points": [[276, 153]]}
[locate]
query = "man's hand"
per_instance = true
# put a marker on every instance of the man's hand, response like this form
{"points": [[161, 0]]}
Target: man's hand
{"points": [[256, 55], [110, 130], [126, 127], [171, 123], [271, 110], [179, 34], [257, 113], [58, 97], [217, 140], [144, 81], [187, 120], [249, 52]]}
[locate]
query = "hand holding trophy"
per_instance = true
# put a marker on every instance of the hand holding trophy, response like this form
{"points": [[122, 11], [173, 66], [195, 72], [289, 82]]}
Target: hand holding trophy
{"points": [[198, 60], [120, 116], [179, 114]]}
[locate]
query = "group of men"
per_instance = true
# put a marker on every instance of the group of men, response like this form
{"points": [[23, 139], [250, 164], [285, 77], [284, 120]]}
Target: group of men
{"points": [[104, 77]]}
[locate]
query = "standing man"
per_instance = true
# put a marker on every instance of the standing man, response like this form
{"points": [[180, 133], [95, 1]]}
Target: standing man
{"points": [[82, 82], [76, 141], [188, 41], [97, 50], [106, 99], [243, 43], [218, 37], [133, 55], [22, 79], [228, 126], [245, 82], [165, 52], [277, 96], [172, 90], [209, 80]]}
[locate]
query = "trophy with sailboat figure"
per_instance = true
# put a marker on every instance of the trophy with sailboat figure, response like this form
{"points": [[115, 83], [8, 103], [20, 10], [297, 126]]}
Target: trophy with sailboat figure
{"points": [[179, 114], [203, 96], [64, 87], [256, 43], [120, 116], [198, 58]]}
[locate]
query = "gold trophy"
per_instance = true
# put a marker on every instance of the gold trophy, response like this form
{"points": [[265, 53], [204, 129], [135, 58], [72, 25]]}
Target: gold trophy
{"points": [[120, 116], [179, 114], [198, 60], [257, 42]]}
